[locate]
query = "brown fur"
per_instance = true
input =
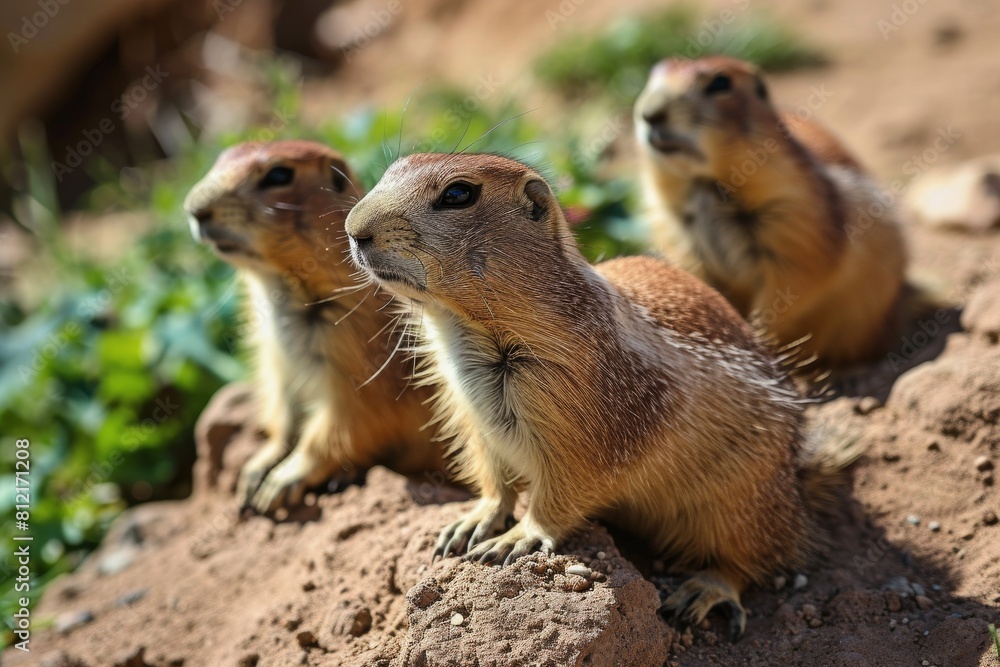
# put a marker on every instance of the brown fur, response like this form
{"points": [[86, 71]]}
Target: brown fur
{"points": [[317, 333], [771, 210], [630, 391]]}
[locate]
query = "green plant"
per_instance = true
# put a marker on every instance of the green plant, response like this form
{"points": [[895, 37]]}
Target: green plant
{"points": [[615, 63], [996, 638]]}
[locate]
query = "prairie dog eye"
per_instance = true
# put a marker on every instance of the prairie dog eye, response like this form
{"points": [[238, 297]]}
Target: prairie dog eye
{"points": [[458, 195], [720, 83], [277, 176]]}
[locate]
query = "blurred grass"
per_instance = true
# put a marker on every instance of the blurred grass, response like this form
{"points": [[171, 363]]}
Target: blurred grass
{"points": [[615, 63]]}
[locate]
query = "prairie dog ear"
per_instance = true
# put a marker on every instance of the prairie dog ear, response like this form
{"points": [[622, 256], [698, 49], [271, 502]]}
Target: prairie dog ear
{"points": [[540, 196], [759, 87]]}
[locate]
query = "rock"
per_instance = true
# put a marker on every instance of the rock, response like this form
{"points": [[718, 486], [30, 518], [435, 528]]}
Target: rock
{"points": [[230, 412], [964, 196], [306, 638], [424, 594], [968, 406], [867, 405], [131, 598], [579, 570], [923, 602], [134, 657], [934, 526], [981, 314], [809, 611], [61, 659], [983, 464], [117, 560], [892, 602], [800, 582], [70, 620], [900, 586], [957, 641], [990, 518], [913, 520], [918, 589], [354, 622], [613, 622], [780, 582]]}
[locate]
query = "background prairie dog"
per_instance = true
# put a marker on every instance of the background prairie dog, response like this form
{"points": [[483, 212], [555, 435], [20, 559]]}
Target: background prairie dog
{"points": [[769, 209], [629, 391], [276, 212]]}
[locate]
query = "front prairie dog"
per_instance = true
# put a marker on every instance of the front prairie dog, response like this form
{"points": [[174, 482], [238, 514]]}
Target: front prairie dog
{"points": [[770, 210], [628, 391], [276, 212]]}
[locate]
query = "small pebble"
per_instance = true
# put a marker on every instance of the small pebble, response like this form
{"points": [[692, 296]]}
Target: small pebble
{"points": [[801, 581], [306, 639], [983, 464], [924, 602], [780, 582], [129, 599], [990, 518], [913, 520], [457, 619], [892, 602], [905, 621], [809, 611], [892, 624], [578, 570], [925, 663], [867, 405], [918, 589], [934, 526], [70, 620], [601, 555], [933, 446]]}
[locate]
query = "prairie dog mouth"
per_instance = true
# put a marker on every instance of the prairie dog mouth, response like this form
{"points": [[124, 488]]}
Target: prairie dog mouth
{"points": [[669, 143], [374, 263], [224, 241]]}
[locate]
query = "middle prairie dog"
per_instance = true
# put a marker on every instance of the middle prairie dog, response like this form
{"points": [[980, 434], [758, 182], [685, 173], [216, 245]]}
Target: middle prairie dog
{"points": [[276, 212], [770, 210], [629, 391]]}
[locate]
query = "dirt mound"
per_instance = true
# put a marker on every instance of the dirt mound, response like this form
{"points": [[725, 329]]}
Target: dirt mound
{"points": [[910, 575]]}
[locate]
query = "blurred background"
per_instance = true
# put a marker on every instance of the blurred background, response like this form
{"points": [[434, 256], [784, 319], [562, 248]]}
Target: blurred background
{"points": [[116, 328]]}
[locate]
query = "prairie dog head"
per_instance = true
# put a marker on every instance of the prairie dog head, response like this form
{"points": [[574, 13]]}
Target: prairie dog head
{"points": [[275, 208], [690, 112], [458, 230]]}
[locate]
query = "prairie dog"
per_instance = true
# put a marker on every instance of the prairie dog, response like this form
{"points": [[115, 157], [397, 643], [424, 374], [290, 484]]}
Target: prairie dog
{"points": [[771, 210], [629, 391], [276, 212]]}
